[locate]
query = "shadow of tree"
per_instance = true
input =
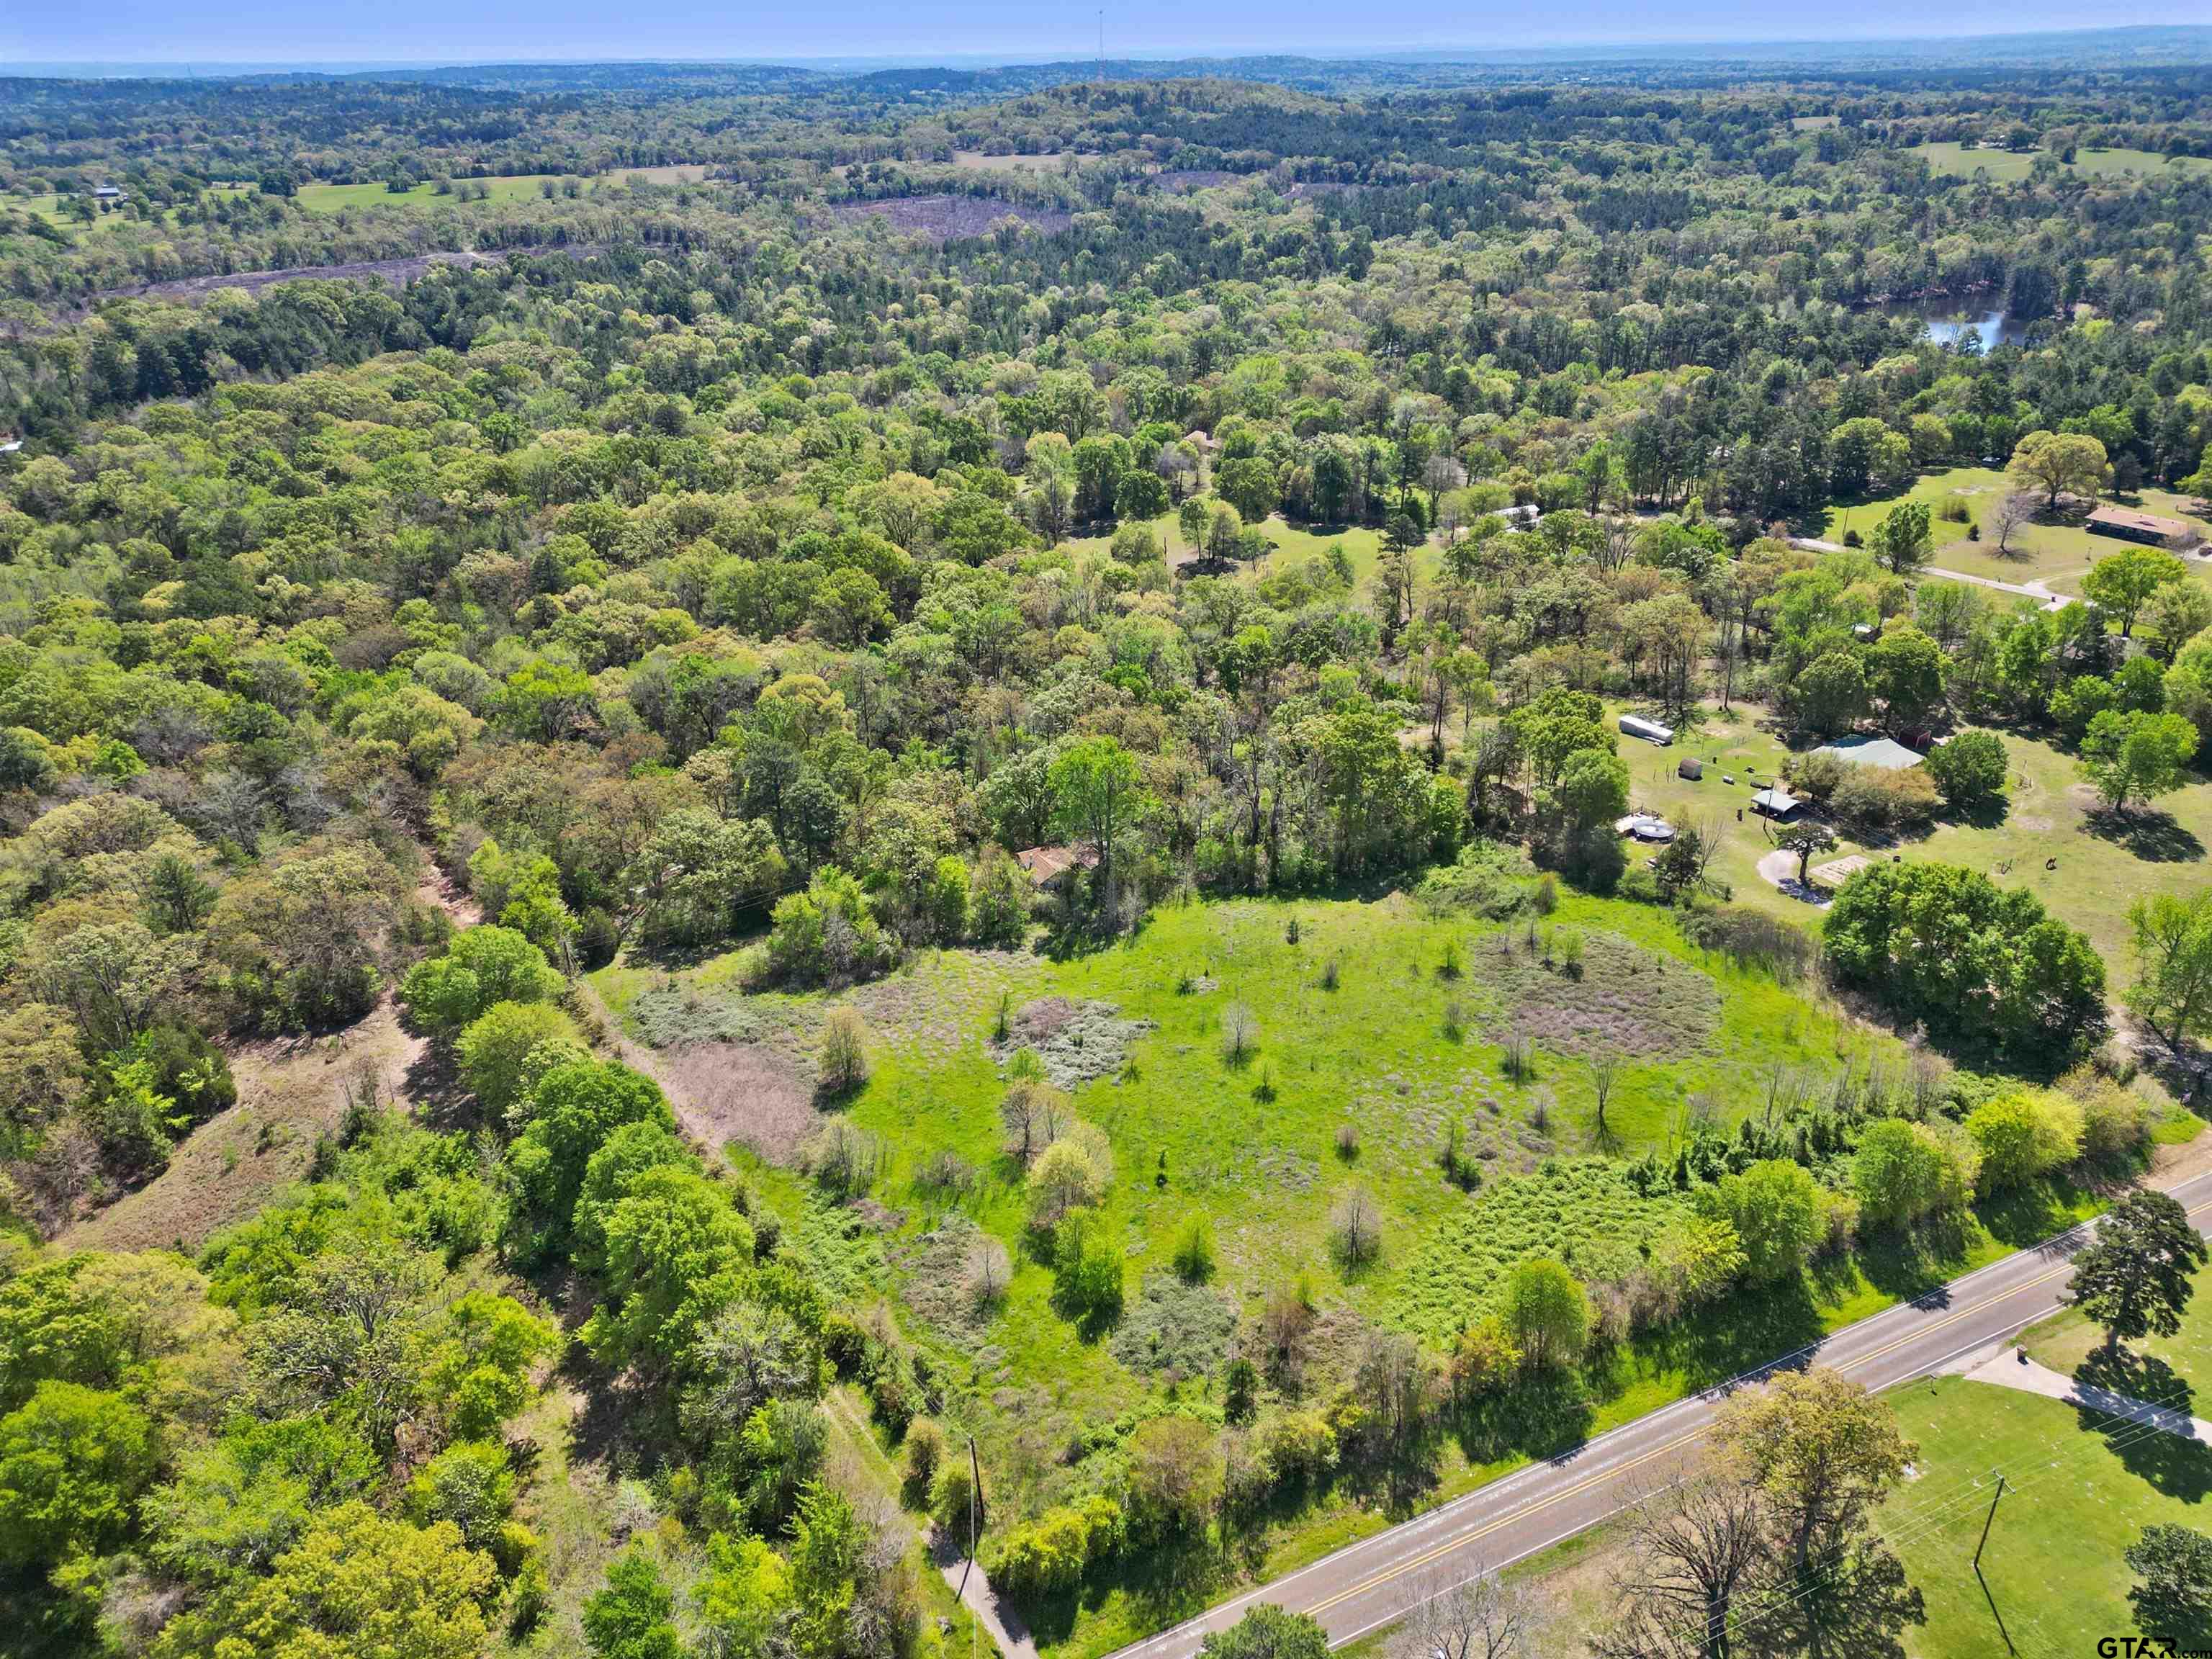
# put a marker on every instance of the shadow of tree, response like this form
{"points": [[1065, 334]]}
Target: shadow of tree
{"points": [[2027, 1215], [2176, 1465], [1543, 1418], [441, 1102], [1744, 1333], [1914, 1266], [2155, 837], [2139, 1376], [1165, 1583]]}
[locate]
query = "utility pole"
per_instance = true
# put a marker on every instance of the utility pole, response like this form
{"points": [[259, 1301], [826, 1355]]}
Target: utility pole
{"points": [[975, 1511], [1984, 1582]]}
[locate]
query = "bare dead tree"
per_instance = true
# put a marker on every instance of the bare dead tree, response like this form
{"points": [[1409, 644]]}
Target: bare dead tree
{"points": [[1785, 1088], [2014, 511], [1693, 1548], [1355, 1227], [1239, 1030], [1477, 1617], [1706, 844], [1605, 1071]]}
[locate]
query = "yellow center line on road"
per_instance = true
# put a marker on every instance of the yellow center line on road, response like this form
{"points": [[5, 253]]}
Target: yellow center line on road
{"points": [[1675, 1444], [1918, 1334]]}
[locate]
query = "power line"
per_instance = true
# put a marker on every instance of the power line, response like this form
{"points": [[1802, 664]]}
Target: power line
{"points": [[1896, 1539]]}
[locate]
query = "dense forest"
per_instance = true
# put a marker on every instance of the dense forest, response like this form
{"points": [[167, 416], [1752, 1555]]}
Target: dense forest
{"points": [[709, 545]]}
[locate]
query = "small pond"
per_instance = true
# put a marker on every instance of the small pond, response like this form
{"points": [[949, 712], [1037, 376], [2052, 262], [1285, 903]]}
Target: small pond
{"points": [[1948, 323]]}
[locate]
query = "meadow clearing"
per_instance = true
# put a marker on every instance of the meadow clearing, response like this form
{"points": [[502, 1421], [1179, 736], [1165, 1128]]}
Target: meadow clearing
{"points": [[335, 198], [1375, 1035], [2006, 167], [2058, 553]]}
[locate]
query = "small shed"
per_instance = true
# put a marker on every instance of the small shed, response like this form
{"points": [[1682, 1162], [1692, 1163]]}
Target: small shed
{"points": [[1690, 769], [1776, 802], [1651, 731]]}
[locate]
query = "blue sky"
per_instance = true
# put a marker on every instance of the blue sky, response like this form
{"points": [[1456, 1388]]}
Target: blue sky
{"points": [[429, 31]]}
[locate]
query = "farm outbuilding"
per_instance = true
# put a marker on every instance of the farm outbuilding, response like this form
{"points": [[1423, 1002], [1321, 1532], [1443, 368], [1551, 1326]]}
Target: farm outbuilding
{"points": [[1775, 802], [1690, 769], [1636, 726]]}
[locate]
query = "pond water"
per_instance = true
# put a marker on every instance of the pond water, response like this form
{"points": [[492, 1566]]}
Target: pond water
{"points": [[1948, 323]]}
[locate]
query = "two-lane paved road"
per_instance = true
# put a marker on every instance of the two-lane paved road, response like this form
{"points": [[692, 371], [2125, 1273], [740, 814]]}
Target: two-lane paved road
{"points": [[1368, 1585]]}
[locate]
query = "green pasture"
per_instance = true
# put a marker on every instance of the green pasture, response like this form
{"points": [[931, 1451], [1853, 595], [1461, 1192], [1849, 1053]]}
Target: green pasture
{"points": [[2081, 1488], [2009, 166], [335, 198]]}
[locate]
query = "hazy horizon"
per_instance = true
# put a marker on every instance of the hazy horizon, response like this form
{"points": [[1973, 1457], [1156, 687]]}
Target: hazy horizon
{"points": [[254, 36]]}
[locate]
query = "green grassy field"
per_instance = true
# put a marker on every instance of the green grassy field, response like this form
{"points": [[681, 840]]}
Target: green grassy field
{"points": [[1738, 743], [521, 187], [2101, 864], [977, 160], [1252, 1148], [2058, 555], [1375, 1053], [2008, 167], [2077, 1499], [1361, 545], [2100, 868], [49, 208], [333, 198]]}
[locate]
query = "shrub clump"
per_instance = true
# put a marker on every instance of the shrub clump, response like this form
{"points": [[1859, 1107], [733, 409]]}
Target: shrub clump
{"points": [[1074, 1041]]}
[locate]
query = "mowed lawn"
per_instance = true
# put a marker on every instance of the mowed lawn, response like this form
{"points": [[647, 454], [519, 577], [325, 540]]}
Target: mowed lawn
{"points": [[2080, 1490], [1738, 743], [2059, 553], [2055, 839], [2088, 867], [2010, 166]]}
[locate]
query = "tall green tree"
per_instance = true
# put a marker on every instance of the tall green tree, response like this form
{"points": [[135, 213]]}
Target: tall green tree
{"points": [[2135, 1276]]}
